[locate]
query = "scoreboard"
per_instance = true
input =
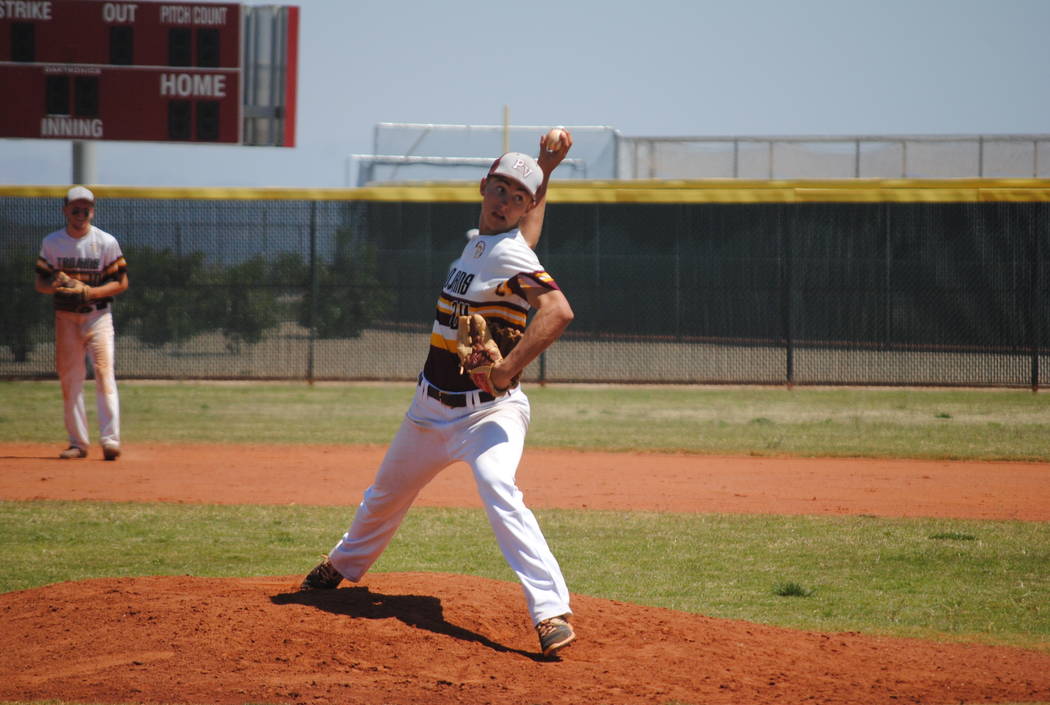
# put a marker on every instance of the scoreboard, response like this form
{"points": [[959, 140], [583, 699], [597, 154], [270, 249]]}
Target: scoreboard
{"points": [[167, 71]]}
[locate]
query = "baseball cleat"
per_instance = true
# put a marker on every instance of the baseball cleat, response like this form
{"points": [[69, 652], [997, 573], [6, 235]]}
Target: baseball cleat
{"points": [[323, 577], [111, 451], [555, 633], [73, 452]]}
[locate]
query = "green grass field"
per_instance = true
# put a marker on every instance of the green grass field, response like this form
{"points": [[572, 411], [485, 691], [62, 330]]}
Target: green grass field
{"points": [[981, 581], [922, 423]]}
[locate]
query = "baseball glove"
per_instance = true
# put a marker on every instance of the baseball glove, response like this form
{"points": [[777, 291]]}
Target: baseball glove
{"points": [[505, 336], [478, 352], [69, 290]]}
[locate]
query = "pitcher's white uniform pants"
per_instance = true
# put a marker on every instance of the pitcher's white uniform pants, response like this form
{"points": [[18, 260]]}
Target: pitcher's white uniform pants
{"points": [[489, 437], [75, 335]]}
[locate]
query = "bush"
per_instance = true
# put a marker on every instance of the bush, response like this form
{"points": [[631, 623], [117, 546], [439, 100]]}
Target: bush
{"points": [[166, 302], [26, 315], [350, 297]]}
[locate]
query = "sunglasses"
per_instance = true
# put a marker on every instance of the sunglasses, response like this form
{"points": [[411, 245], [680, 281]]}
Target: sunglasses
{"points": [[80, 211]]}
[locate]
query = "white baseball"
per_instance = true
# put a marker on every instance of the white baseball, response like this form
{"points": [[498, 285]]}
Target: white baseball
{"points": [[554, 139]]}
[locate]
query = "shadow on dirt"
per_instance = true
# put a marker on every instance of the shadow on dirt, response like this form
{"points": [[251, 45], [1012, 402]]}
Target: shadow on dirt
{"points": [[418, 611]]}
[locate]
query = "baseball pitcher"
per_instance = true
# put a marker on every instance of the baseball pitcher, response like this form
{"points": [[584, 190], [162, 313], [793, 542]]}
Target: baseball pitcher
{"points": [[468, 404]]}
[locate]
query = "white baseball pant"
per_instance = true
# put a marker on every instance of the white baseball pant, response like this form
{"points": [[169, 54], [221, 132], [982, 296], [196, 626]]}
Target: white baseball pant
{"points": [[489, 437], [75, 335]]}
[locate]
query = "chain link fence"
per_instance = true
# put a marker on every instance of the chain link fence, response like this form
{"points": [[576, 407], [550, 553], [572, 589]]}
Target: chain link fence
{"points": [[342, 285]]}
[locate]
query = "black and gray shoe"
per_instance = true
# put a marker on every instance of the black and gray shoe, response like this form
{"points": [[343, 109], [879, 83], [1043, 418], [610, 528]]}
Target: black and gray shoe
{"points": [[323, 577], [555, 633]]}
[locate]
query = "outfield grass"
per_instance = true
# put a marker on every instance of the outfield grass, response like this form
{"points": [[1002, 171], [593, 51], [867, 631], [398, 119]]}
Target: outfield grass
{"points": [[919, 423], [935, 578]]}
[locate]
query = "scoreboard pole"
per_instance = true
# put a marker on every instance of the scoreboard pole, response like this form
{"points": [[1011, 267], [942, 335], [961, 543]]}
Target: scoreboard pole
{"points": [[84, 166]]}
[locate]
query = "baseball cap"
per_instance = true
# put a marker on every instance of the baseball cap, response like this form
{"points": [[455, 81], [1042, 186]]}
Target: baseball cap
{"points": [[80, 193], [521, 168]]}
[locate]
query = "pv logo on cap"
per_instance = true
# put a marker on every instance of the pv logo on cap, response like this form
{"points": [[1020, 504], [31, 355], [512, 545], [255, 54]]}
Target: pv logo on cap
{"points": [[521, 166]]}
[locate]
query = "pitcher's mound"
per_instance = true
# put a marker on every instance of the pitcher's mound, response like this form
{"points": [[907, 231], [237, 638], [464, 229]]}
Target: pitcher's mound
{"points": [[425, 638]]}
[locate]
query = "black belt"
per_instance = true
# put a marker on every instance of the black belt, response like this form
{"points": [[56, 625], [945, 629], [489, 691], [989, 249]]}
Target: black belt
{"points": [[92, 307], [453, 400]]}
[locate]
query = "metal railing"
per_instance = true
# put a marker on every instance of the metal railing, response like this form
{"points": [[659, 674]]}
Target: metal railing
{"points": [[837, 157]]}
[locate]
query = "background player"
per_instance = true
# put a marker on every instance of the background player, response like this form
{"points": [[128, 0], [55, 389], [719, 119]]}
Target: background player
{"points": [[499, 277], [84, 324]]}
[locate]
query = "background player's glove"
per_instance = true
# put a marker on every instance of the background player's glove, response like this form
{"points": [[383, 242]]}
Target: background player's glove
{"points": [[478, 352], [69, 290]]}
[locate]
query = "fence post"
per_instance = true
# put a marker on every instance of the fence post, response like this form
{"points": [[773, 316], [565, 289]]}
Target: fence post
{"points": [[1034, 312], [178, 252], [680, 229], [785, 295], [315, 292], [887, 278]]}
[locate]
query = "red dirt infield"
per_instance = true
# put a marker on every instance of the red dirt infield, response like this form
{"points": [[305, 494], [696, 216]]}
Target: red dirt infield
{"points": [[400, 638]]}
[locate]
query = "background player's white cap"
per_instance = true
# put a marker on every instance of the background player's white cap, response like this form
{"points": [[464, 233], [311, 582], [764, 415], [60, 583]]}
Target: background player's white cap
{"points": [[80, 193], [521, 168]]}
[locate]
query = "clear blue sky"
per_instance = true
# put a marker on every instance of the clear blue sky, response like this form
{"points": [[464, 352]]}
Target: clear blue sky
{"points": [[654, 68]]}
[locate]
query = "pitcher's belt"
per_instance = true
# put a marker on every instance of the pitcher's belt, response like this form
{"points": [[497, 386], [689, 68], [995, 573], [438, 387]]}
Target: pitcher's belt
{"points": [[453, 400]]}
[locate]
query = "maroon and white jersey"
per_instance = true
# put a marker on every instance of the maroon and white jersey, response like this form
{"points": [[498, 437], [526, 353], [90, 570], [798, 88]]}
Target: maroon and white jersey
{"points": [[94, 259], [491, 278]]}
